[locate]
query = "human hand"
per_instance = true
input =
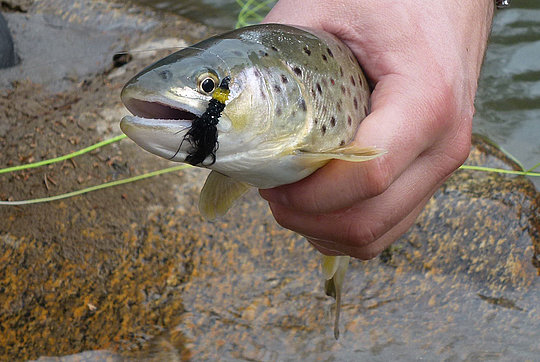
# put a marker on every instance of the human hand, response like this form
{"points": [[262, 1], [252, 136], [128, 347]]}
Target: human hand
{"points": [[424, 62]]}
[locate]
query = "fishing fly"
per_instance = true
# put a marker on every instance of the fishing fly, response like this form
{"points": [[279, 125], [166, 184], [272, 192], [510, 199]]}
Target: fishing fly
{"points": [[202, 136]]}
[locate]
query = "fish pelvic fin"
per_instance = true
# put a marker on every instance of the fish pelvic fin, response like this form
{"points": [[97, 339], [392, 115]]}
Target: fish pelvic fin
{"points": [[334, 270], [351, 153], [218, 194]]}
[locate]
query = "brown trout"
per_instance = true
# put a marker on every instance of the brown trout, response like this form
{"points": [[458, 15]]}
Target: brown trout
{"points": [[260, 106]]}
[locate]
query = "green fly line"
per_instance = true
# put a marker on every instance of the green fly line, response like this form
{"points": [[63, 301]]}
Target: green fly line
{"points": [[97, 187], [252, 12], [65, 157]]}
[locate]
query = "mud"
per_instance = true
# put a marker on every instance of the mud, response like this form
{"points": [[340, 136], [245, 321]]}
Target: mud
{"points": [[135, 272]]}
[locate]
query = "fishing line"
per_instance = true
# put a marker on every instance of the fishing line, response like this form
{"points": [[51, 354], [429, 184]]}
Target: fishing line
{"points": [[252, 11], [500, 170], [94, 188], [65, 157]]}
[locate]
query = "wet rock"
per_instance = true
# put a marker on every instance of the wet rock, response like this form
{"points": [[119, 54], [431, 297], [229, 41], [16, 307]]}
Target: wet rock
{"points": [[71, 41], [17, 5], [455, 286], [8, 58]]}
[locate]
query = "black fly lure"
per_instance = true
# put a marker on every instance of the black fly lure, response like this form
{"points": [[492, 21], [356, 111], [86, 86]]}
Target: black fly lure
{"points": [[202, 135]]}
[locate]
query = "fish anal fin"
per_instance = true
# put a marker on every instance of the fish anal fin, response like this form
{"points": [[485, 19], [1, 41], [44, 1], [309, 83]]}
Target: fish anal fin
{"points": [[329, 266], [218, 194]]}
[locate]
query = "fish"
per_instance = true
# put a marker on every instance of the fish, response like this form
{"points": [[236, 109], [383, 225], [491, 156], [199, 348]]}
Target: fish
{"points": [[261, 106]]}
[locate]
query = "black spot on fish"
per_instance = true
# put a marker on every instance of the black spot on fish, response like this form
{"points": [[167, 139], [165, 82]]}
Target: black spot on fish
{"points": [[330, 52], [277, 88], [353, 82], [319, 89], [355, 101], [349, 120], [297, 71], [165, 74], [274, 48], [263, 95], [342, 89], [338, 106], [323, 129], [360, 80], [333, 121], [342, 143], [324, 57], [256, 73], [284, 79], [341, 71], [263, 53], [303, 105], [307, 51], [315, 120], [238, 53]]}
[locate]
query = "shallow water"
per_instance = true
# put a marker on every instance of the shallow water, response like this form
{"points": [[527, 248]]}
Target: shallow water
{"points": [[220, 14], [508, 101]]}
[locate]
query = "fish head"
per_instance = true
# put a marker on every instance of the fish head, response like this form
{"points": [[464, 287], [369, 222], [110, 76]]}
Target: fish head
{"points": [[168, 96]]}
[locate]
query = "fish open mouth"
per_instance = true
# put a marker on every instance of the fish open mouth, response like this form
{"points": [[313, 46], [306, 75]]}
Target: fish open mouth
{"points": [[157, 110], [158, 127]]}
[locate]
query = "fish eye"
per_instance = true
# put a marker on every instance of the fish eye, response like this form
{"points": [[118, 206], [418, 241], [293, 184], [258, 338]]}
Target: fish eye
{"points": [[207, 82]]}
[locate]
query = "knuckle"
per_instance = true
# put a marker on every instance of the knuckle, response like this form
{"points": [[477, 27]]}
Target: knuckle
{"points": [[363, 234], [377, 179], [304, 199], [461, 151]]}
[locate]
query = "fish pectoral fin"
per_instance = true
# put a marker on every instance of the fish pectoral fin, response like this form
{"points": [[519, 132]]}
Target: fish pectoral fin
{"points": [[334, 269], [218, 194], [350, 153]]}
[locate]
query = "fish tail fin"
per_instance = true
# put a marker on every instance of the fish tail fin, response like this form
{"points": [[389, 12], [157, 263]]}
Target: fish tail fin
{"points": [[334, 269]]}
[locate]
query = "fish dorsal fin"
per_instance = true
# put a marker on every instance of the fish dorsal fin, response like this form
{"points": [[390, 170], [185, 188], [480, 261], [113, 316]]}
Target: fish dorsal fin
{"points": [[218, 194], [350, 153], [334, 269]]}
